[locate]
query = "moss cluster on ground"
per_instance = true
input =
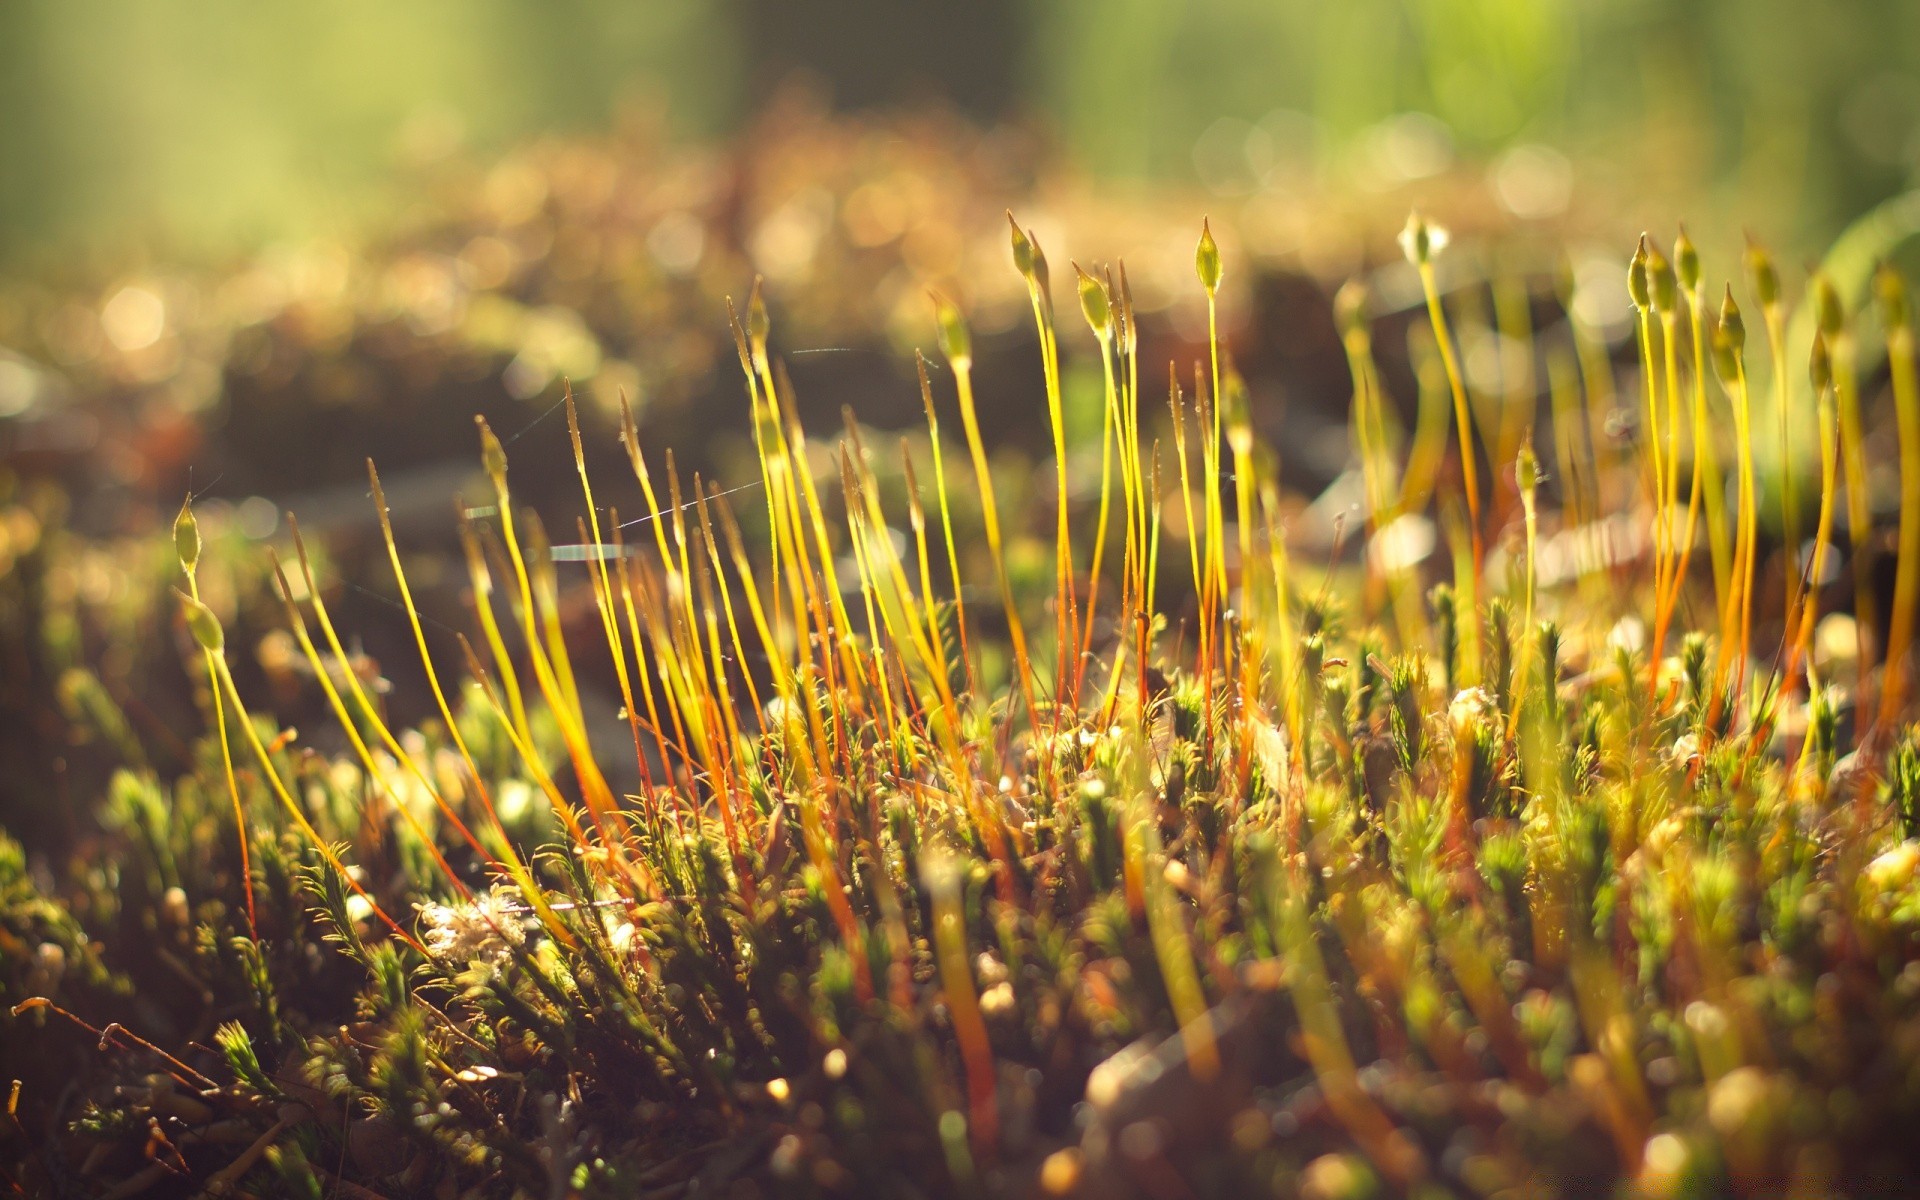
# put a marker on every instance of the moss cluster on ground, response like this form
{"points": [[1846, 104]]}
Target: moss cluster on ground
{"points": [[1565, 839]]}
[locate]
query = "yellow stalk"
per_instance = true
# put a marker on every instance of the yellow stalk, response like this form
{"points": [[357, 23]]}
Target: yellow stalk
{"points": [[663, 651], [917, 519], [817, 521], [688, 614], [537, 896], [757, 329], [206, 630], [1707, 480], [1859, 497], [750, 588], [1857, 492], [726, 605], [1729, 341], [1639, 284], [482, 582], [362, 701], [1766, 287], [1283, 620], [1122, 395], [186, 544], [1369, 432], [1421, 242], [946, 517], [667, 634], [1429, 444], [554, 672], [375, 776], [959, 350], [811, 617], [1666, 304], [700, 658], [763, 456], [603, 586], [1148, 609], [1206, 261], [1245, 483], [1130, 354], [1687, 267], [1240, 439], [1177, 405], [1376, 453], [546, 607], [604, 599], [1208, 267], [1031, 263], [727, 789], [1821, 370], [934, 665], [553, 676], [1526, 476], [810, 754], [879, 547], [866, 524], [857, 543], [1906, 585], [1097, 307], [514, 865]]}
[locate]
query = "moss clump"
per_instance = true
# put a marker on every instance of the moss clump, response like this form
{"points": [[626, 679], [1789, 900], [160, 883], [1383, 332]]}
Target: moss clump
{"points": [[1221, 872]]}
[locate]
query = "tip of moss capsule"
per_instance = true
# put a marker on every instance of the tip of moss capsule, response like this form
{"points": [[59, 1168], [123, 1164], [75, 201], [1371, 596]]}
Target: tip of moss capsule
{"points": [[1729, 338], [493, 455], [955, 342], [1526, 467], [201, 622], [1638, 286], [1094, 302], [1421, 239], [1022, 248], [1732, 325], [186, 536], [1206, 259], [1686, 261], [1660, 277]]}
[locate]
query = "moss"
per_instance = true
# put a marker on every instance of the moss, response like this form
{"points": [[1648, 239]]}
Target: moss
{"points": [[1241, 873]]}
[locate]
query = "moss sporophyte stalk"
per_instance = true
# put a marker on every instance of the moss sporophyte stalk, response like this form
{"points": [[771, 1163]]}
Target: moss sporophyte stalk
{"points": [[1516, 843]]}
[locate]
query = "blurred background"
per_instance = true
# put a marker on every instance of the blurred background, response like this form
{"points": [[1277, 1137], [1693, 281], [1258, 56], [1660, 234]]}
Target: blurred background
{"points": [[224, 125]]}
